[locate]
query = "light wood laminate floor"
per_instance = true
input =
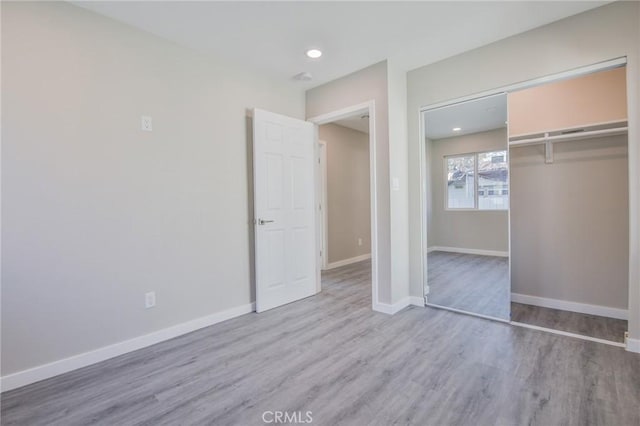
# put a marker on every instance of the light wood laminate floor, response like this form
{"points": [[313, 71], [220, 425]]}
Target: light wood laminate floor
{"points": [[332, 355], [469, 282]]}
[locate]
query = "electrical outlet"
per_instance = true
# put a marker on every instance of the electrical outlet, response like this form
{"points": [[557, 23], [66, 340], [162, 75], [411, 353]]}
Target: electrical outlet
{"points": [[146, 124], [150, 299], [359, 241]]}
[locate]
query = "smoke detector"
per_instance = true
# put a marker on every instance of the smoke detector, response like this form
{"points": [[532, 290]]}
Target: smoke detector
{"points": [[303, 76]]}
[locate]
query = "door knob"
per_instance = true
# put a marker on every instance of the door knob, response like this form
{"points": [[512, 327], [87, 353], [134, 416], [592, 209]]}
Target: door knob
{"points": [[264, 222]]}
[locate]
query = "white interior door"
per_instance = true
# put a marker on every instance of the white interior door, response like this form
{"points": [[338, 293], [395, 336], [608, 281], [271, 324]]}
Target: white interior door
{"points": [[284, 207]]}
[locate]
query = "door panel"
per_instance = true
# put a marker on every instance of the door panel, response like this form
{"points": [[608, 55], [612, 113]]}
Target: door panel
{"points": [[284, 204]]}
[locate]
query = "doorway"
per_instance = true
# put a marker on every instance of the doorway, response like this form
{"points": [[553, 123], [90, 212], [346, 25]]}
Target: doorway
{"points": [[466, 146], [347, 219]]}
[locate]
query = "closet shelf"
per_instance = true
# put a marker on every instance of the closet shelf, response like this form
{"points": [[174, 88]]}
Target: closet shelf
{"points": [[570, 137], [570, 134], [614, 128]]}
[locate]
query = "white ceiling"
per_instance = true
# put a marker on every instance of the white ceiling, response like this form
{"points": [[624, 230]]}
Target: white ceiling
{"points": [[273, 36], [475, 116]]}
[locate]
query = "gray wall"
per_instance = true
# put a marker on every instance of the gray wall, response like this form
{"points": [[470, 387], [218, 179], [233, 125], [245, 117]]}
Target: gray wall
{"points": [[95, 212], [570, 222], [605, 33], [348, 196], [481, 230], [353, 89]]}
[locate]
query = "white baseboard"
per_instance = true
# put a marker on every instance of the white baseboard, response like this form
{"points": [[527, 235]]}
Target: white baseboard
{"points": [[345, 262], [416, 301], [41, 372], [386, 308], [469, 251], [564, 305], [633, 345]]}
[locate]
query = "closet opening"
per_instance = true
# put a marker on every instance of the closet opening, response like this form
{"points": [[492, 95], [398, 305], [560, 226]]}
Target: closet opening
{"points": [[567, 216], [570, 205]]}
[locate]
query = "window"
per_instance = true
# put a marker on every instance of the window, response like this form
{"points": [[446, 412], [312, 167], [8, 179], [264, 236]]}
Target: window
{"points": [[489, 191], [460, 182]]}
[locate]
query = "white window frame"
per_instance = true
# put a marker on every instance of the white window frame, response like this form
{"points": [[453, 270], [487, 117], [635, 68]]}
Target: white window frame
{"points": [[476, 181]]}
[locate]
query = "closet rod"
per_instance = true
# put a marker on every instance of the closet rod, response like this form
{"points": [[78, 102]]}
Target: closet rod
{"points": [[571, 136]]}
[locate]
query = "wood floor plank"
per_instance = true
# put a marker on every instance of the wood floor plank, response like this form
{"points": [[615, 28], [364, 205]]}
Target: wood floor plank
{"points": [[332, 355], [469, 282], [611, 329]]}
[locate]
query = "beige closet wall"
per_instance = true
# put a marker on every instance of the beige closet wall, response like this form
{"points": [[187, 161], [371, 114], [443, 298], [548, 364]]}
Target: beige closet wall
{"points": [[590, 99], [480, 230], [570, 222], [570, 218], [348, 196]]}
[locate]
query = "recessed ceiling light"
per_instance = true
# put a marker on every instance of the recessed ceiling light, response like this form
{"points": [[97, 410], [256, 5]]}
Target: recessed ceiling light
{"points": [[314, 53], [457, 129]]}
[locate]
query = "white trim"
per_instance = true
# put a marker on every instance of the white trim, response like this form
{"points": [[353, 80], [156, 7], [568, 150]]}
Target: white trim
{"points": [[568, 334], [480, 252], [369, 106], [600, 66], [416, 301], [424, 201], [319, 228], [349, 261], [565, 305], [633, 117], [41, 372], [385, 308], [324, 216], [347, 112], [509, 245], [633, 345]]}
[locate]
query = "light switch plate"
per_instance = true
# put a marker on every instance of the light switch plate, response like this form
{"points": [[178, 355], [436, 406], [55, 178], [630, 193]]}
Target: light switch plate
{"points": [[150, 299], [395, 184], [146, 124]]}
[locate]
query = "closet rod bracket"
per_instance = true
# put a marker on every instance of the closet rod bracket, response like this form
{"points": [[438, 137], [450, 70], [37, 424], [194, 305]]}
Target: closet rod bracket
{"points": [[548, 149]]}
